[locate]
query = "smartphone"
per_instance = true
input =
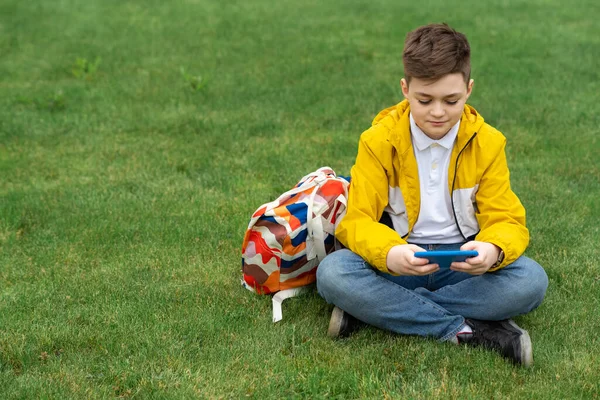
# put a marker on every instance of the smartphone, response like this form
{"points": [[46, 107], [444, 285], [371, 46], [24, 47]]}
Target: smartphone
{"points": [[446, 257]]}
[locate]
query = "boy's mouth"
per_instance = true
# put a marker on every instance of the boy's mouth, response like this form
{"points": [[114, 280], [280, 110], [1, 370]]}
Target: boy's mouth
{"points": [[437, 123]]}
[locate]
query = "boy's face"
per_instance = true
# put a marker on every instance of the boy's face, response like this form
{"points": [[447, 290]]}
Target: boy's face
{"points": [[437, 105]]}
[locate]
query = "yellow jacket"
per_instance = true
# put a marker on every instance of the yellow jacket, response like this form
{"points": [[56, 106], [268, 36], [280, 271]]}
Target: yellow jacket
{"points": [[385, 178]]}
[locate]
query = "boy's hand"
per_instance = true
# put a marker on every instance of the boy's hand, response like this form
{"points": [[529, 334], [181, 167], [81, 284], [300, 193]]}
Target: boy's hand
{"points": [[488, 255], [402, 261]]}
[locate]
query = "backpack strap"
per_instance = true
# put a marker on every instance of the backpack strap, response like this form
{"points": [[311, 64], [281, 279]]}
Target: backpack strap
{"points": [[315, 241], [280, 296]]}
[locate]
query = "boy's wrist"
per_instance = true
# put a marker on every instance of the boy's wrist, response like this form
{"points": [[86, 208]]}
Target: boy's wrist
{"points": [[499, 256]]}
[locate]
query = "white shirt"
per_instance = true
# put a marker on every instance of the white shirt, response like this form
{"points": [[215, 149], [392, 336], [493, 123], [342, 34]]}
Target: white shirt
{"points": [[435, 223]]}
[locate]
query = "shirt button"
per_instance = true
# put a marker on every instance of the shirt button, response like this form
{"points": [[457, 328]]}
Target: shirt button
{"points": [[434, 166]]}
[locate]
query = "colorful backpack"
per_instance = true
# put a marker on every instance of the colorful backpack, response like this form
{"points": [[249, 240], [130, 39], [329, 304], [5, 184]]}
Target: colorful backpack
{"points": [[287, 238]]}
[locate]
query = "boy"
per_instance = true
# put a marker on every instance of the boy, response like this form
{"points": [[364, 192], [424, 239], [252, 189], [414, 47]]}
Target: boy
{"points": [[430, 174]]}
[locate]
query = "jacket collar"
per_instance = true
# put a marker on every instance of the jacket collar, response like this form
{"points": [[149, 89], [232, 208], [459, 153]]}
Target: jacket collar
{"points": [[397, 120], [421, 141]]}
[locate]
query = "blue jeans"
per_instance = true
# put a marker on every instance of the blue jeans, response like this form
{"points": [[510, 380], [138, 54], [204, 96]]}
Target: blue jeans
{"points": [[434, 305]]}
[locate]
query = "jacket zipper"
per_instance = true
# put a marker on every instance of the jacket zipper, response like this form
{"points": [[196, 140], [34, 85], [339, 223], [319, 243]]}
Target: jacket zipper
{"points": [[454, 181]]}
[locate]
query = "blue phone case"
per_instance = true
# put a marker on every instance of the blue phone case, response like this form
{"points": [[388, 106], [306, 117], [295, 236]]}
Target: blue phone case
{"points": [[446, 257]]}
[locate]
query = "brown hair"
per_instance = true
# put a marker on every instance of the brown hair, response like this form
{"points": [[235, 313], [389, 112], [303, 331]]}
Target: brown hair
{"points": [[435, 50]]}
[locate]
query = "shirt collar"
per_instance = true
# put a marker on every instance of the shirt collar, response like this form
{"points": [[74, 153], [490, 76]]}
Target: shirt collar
{"points": [[422, 141]]}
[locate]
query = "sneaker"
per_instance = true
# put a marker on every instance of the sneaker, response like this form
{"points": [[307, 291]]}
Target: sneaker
{"points": [[504, 337], [341, 324]]}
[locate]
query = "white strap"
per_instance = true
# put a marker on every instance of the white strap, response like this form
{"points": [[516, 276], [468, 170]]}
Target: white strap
{"points": [[320, 171], [318, 238], [280, 296], [315, 241]]}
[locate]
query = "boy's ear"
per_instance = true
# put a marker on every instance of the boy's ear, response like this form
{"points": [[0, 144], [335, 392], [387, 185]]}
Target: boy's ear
{"points": [[404, 86], [470, 88]]}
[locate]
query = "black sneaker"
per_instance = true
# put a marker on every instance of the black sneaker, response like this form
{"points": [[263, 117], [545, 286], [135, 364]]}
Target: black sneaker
{"points": [[504, 337], [341, 324]]}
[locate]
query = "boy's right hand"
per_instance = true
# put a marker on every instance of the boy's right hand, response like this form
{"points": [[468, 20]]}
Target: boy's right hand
{"points": [[401, 260]]}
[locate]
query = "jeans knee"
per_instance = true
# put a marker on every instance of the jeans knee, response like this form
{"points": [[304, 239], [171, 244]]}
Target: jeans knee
{"points": [[534, 283], [539, 283], [327, 270], [326, 267], [335, 273]]}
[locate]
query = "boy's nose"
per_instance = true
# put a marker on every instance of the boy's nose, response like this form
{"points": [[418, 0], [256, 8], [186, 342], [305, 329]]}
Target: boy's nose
{"points": [[437, 110]]}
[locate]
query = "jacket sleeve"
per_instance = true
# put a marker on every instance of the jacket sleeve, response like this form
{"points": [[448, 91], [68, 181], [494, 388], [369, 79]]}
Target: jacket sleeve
{"points": [[360, 230], [501, 215]]}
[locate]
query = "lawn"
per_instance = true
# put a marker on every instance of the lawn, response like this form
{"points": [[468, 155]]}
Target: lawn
{"points": [[137, 137]]}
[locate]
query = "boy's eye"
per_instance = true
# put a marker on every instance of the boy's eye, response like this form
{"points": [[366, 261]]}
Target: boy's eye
{"points": [[450, 102]]}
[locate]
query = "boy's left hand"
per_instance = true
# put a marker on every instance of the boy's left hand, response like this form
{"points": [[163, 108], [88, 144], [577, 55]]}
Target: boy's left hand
{"points": [[488, 255]]}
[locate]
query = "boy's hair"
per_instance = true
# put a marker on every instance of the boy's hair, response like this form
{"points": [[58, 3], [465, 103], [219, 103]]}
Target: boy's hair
{"points": [[435, 50]]}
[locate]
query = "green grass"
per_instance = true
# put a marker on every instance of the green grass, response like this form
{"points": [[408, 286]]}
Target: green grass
{"points": [[137, 137]]}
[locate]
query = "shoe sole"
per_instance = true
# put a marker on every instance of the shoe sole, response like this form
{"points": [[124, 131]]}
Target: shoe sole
{"points": [[335, 323], [526, 347]]}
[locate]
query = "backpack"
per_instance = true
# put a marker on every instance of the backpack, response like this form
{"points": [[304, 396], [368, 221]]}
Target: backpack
{"points": [[288, 237]]}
